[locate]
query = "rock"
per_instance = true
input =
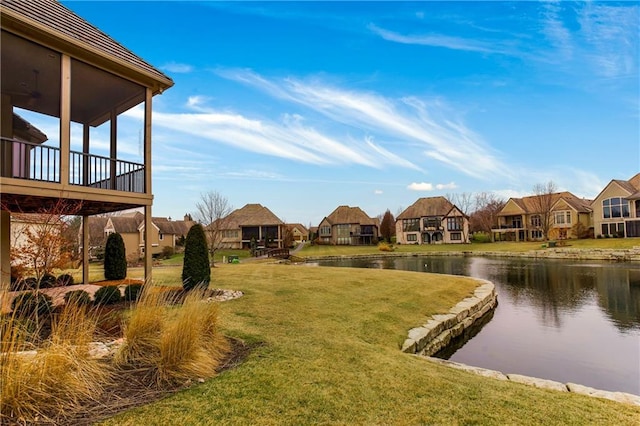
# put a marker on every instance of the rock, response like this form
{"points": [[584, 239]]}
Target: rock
{"points": [[626, 398], [539, 383]]}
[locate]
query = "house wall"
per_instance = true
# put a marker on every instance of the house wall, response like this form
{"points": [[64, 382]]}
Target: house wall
{"points": [[131, 243], [404, 237], [612, 190]]}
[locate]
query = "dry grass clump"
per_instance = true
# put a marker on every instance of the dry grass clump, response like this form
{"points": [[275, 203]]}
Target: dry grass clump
{"points": [[57, 378], [175, 345]]}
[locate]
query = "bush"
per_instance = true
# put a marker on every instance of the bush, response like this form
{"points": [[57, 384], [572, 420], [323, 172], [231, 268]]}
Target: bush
{"points": [[107, 295], [47, 281], [31, 283], [77, 297], [383, 246], [167, 252], [115, 258], [196, 269], [27, 305], [64, 280], [131, 292]]}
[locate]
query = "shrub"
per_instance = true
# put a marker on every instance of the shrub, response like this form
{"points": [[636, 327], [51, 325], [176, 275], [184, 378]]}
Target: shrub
{"points": [[32, 304], [31, 283], [196, 270], [115, 259], [383, 246], [64, 280], [131, 292], [47, 281], [77, 297], [167, 252], [107, 295]]}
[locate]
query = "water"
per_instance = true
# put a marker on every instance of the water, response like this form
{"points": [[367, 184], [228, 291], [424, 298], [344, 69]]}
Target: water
{"points": [[563, 320]]}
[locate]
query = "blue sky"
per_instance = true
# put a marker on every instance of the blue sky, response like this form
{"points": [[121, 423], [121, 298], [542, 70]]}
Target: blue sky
{"points": [[303, 107]]}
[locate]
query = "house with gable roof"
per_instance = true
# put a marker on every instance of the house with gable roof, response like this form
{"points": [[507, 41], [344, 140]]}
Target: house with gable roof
{"points": [[522, 219], [53, 63], [616, 209], [250, 224], [348, 226], [299, 232], [432, 220]]}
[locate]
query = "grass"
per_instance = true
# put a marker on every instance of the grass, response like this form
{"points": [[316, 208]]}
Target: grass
{"points": [[329, 353]]}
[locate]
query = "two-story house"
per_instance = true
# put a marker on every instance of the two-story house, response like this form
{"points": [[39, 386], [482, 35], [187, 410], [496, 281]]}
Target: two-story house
{"points": [[251, 224], [348, 226], [432, 220], [616, 209], [58, 69]]}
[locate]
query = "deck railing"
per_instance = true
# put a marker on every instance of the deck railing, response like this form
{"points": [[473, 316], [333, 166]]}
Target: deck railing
{"points": [[26, 160]]}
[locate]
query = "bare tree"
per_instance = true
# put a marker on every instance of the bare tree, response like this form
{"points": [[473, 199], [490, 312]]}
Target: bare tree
{"points": [[464, 203], [485, 215], [542, 202], [212, 211]]}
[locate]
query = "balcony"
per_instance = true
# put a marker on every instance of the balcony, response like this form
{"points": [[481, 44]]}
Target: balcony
{"points": [[34, 162]]}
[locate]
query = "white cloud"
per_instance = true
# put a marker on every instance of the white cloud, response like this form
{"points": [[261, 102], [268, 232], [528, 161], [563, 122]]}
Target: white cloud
{"points": [[450, 185], [177, 68], [378, 192], [422, 186]]}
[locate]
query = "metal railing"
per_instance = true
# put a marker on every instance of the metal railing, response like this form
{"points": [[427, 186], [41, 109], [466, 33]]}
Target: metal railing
{"points": [[26, 160]]}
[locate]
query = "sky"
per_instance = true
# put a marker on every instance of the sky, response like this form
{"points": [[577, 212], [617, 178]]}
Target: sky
{"points": [[306, 106]]}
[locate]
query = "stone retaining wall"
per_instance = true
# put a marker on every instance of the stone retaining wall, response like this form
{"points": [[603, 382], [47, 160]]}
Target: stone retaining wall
{"points": [[438, 331]]}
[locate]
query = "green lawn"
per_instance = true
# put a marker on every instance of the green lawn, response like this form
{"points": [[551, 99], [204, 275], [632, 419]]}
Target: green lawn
{"points": [[330, 354]]}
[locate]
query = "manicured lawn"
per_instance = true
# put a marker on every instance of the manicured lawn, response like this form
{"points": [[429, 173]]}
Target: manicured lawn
{"points": [[329, 354]]}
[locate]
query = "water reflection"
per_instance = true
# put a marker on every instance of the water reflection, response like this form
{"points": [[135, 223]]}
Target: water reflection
{"points": [[557, 319]]}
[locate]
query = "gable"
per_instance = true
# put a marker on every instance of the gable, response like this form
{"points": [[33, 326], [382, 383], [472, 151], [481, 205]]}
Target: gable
{"points": [[511, 208]]}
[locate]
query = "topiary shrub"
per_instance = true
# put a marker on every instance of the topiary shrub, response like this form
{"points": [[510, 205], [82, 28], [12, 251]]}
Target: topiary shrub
{"points": [[47, 281], [131, 292], [64, 280], [77, 297], [115, 258], [107, 295], [196, 269], [29, 305]]}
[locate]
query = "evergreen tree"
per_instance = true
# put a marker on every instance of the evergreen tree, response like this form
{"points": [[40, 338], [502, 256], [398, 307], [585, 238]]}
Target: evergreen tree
{"points": [[115, 258], [387, 226], [196, 270]]}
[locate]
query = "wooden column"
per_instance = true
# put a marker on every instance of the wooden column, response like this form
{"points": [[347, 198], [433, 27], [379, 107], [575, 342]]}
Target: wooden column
{"points": [[148, 261], [85, 249], [113, 152], [65, 119], [85, 157]]}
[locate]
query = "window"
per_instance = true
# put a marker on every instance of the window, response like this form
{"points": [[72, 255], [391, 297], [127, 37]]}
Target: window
{"points": [[615, 207], [454, 224], [536, 220], [325, 230], [563, 217], [409, 225], [432, 222], [230, 233], [160, 236], [456, 236], [614, 229], [412, 238], [536, 234]]}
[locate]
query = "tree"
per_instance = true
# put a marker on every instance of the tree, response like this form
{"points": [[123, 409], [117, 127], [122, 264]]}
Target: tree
{"points": [[212, 211], [464, 203], [542, 202], [196, 270], [485, 216], [387, 226], [115, 258]]}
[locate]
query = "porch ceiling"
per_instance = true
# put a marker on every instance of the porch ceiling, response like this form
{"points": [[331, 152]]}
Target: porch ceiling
{"points": [[17, 203]]}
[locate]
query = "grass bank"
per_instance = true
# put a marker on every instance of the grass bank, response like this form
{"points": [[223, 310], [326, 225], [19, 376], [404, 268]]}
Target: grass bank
{"points": [[329, 354]]}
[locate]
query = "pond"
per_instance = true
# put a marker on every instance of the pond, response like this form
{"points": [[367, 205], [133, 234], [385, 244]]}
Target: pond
{"points": [[563, 320]]}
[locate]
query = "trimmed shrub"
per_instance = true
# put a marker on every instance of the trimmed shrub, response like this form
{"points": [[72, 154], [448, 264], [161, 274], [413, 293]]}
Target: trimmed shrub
{"points": [[115, 258], [47, 281], [196, 269], [131, 292], [64, 280], [107, 295], [77, 297], [28, 305]]}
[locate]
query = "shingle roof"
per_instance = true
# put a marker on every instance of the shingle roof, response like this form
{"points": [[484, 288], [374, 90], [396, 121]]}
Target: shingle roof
{"points": [[66, 25], [531, 204], [427, 206], [177, 227], [346, 214], [300, 227], [96, 227], [126, 224], [251, 215]]}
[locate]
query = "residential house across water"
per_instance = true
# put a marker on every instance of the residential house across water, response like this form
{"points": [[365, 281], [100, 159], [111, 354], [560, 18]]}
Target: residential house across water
{"points": [[616, 209], [432, 220], [348, 226]]}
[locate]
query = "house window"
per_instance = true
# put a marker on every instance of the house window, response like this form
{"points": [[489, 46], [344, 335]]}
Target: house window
{"points": [[230, 233], [563, 217], [343, 231], [325, 230], [536, 234], [454, 224], [160, 236], [412, 238], [536, 220], [613, 229], [615, 207], [456, 236], [410, 225], [432, 222]]}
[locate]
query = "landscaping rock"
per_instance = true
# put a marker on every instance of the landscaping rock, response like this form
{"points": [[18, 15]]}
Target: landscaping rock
{"points": [[539, 383]]}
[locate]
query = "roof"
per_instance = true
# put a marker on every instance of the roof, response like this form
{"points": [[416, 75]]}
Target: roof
{"points": [[176, 227], [69, 29], [531, 204], [251, 215], [427, 206], [346, 214], [96, 227], [24, 130], [300, 227], [126, 223]]}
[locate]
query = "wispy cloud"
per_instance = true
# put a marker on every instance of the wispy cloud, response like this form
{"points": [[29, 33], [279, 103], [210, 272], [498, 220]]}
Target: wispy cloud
{"points": [[406, 121], [426, 187], [177, 68]]}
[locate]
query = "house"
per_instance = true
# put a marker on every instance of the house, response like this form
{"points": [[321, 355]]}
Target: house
{"points": [[348, 226], [616, 209], [562, 214], [432, 220], [299, 233], [55, 64], [41, 229], [251, 224]]}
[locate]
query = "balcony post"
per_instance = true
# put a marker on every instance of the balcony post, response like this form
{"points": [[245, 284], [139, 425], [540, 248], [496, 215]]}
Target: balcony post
{"points": [[85, 249], [5, 250], [85, 157], [148, 260], [6, 131], [65, 119], [113, 152]]}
